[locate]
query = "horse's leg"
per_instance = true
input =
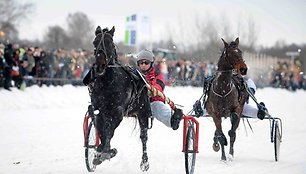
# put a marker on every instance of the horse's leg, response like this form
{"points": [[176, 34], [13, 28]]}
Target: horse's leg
{"points": [[143, 122], [143, 113], [106, 125], [216, 145], [219, 137], [235, 119], [144, 165]]}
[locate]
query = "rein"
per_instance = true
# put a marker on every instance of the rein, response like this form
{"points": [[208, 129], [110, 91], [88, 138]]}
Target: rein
{"points": [[114, 66], [225, 57], [234, 71]]}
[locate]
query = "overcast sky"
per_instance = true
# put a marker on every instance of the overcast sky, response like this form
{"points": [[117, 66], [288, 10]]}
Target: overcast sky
{"points": [[274, 19]]}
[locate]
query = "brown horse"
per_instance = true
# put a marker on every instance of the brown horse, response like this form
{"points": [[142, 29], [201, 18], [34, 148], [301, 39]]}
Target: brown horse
{"points": [[227, 95]]}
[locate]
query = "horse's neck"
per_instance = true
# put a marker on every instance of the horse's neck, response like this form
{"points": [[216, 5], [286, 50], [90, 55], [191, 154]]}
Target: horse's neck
{"points": [[114, 63], [224, 77], [224, 71]]}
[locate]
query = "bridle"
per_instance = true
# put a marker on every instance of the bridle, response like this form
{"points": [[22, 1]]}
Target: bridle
{"points": [[103, 48], [233, 70], [225, 56]]}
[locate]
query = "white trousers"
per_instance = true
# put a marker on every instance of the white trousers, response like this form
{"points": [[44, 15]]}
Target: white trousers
{"points": [[162, 112], [250, 110]]}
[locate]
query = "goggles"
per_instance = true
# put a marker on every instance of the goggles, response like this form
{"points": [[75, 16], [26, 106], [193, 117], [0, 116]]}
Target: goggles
{"points": [[146, 62]]}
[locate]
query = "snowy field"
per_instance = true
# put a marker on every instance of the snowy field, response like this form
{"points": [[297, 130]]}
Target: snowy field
{"points": [[41, 133]]}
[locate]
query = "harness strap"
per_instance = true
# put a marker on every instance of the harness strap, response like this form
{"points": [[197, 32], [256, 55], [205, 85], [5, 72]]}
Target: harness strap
{"points": [[239, 85], [91, 76], [220, 95], [134, 89], [99, 45]]}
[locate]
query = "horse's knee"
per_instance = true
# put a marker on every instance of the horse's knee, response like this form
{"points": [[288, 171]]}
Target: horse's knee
{"points": [[234, 118], [143, 121], [232, 133]]}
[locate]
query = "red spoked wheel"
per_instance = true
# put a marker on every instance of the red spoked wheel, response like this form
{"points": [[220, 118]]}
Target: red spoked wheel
{"points": [[190, 149], [91, 145]]}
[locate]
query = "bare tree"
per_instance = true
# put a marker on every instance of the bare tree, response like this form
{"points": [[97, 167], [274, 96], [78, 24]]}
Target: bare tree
{"points": [[206, 33], [56, 37], [226, 28], [80, 30], [247, 29], [252, 34], [208, 45], [11, 14], [10, 30]]}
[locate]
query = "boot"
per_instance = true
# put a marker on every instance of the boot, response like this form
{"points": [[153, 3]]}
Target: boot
{"points": [[176, 118]]}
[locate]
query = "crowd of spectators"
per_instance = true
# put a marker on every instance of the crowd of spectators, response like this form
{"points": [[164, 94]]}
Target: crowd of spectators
{"points": [[22, 66], [288, 75]]}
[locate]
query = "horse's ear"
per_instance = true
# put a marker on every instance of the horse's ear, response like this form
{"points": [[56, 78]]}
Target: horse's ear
{"points": [[225, 43], [112, 31], [237, 41], [98, 30]]}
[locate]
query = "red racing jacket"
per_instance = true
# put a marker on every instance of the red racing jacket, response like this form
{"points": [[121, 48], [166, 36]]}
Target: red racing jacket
{"points": [[155, 78]]}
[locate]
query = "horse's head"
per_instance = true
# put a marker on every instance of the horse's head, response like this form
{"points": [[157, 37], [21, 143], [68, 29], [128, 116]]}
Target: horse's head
{"points": [[231, 58], [105, 51]]}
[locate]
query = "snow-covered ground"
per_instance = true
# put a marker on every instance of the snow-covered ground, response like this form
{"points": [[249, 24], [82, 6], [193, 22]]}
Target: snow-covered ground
{"points": [[41, 133]]}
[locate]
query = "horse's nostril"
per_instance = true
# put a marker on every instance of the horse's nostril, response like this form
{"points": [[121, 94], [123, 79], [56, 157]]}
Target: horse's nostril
{"points": [[243, 71]]}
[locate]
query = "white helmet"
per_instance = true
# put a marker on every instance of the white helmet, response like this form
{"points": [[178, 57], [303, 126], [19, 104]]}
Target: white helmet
{"points": [[145, 55]]}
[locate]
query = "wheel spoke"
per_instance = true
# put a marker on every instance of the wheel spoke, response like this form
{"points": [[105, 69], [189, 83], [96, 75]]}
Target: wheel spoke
{"points": [[90, 147], [277, 140], [190, 154]]}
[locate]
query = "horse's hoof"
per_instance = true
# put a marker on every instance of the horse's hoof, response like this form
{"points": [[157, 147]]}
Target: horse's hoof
{"points": [[216, 147], [144, 165], [106, 155], [230, 157], [96, 161], [224, 161]]}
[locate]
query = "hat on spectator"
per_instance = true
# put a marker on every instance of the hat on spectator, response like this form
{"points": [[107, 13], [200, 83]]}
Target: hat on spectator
{"points": [[145, 55]]}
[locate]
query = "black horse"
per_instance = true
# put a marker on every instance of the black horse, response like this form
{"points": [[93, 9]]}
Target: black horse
{"points": [[116, 92], [227, 94]]}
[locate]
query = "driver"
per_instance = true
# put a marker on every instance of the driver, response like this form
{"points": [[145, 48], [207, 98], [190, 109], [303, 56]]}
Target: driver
{"points": [[160, 110]]}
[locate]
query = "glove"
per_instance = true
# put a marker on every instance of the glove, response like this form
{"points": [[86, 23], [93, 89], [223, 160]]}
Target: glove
{"points": [[252, 90], [198, 109], [262, 110]]}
